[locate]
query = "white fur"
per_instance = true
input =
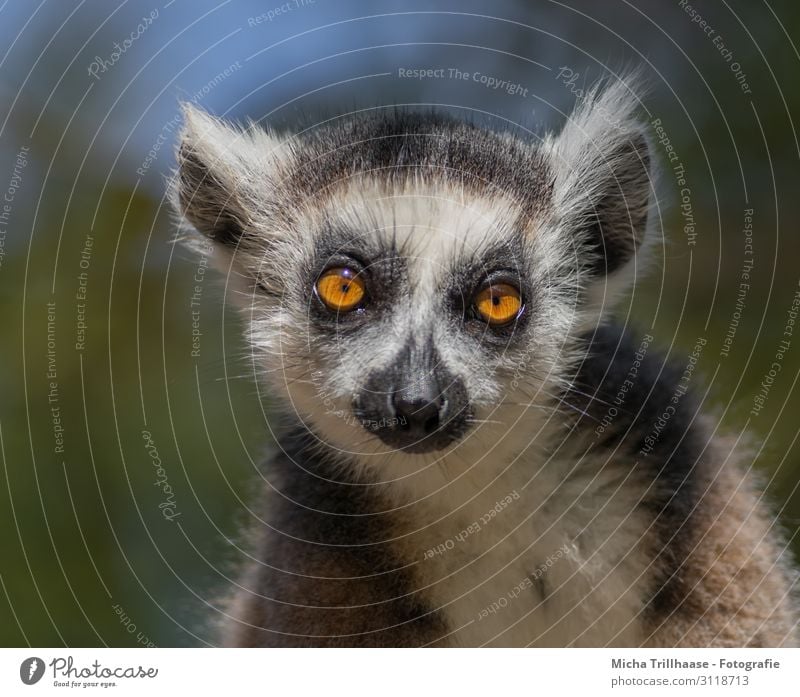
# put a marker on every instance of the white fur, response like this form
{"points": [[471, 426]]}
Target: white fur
{"points": [[593, 589]]}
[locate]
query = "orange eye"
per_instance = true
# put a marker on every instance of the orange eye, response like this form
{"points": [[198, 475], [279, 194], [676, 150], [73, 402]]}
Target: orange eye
{"points": [[341, 289], [498, 304]]}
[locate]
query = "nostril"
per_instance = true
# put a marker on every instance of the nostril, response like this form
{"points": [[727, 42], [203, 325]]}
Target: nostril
{"points": [[417, 415]]}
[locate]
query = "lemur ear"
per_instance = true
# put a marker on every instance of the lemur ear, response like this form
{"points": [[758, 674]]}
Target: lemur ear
{"points": [[603, 181], [223, 177]]}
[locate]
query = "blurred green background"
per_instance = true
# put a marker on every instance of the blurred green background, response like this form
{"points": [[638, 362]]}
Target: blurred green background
{"points": [[87, 128]]}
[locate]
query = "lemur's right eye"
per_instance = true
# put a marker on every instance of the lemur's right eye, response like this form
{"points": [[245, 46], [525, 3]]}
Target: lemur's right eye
{"points": [[341, 289]]}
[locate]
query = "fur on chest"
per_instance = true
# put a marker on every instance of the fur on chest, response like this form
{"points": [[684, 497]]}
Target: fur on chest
{"points": [[537, 561]]}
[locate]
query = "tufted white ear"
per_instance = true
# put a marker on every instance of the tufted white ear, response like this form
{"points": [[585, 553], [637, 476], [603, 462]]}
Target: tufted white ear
{"points": [[602, 166], [225, 175]]}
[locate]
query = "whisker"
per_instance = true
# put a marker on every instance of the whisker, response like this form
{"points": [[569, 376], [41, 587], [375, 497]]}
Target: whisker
{"points": [[594, 398], [562, 400]]}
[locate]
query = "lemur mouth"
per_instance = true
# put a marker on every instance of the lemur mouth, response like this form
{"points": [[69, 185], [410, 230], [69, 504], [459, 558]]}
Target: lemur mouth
{"points": [[417, 430]]}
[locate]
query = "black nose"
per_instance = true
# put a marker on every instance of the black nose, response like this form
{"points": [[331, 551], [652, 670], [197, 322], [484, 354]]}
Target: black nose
{"points": [[417, 415], [414, 403]]}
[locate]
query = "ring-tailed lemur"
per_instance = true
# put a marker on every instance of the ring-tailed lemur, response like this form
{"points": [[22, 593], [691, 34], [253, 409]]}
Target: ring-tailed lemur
{"points": [[470, 454]]}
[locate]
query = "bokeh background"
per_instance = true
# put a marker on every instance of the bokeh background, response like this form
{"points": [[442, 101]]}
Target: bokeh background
{"points": [[99, 385]]}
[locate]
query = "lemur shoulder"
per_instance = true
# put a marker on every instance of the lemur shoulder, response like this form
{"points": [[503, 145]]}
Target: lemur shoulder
{"points": [[471, 452]]}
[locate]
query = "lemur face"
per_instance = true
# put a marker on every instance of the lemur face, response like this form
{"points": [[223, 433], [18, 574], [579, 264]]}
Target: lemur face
{"points": [[411, 282], [414, 299]]}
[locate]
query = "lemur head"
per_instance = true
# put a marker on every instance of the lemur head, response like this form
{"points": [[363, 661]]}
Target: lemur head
{"points": [[412, 283]]}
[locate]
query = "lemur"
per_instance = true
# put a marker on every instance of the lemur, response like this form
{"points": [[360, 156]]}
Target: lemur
{"points": [[470, 450]]}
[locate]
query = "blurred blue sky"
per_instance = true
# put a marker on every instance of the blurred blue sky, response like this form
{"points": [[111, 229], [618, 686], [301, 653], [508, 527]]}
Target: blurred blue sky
{"points": [[296, 57]]}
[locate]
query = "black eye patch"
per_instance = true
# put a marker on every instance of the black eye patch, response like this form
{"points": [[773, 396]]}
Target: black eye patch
{"points": [[468, 276], [376, 260]]}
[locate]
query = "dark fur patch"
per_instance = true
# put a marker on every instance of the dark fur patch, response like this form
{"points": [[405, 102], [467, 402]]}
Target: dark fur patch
{"points": [[206, 201], [331, 572], [616, 225], [395, 144]]}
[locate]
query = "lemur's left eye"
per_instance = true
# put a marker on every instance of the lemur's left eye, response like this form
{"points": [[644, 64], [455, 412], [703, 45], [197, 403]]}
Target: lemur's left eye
{"points": [[498, 304], [341, 289]]}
